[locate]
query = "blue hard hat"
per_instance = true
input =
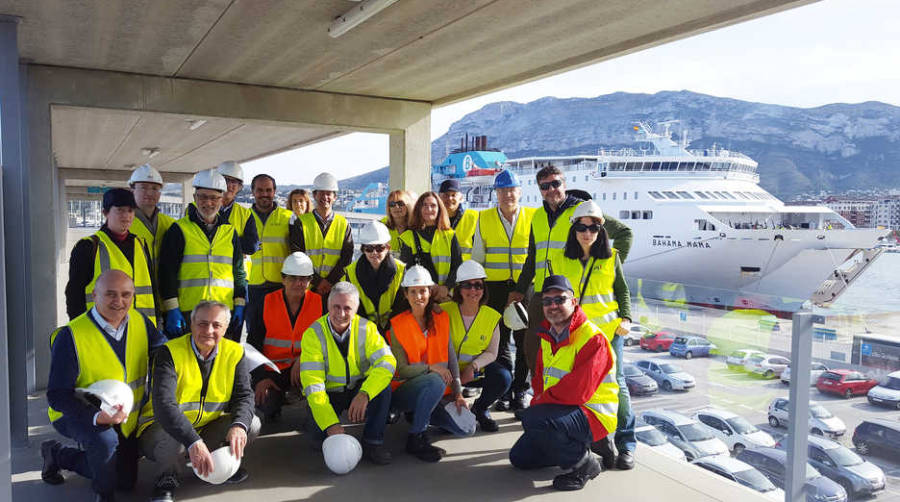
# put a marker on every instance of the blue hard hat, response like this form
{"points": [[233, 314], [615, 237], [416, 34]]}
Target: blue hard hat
{"points": [[506, 179]]}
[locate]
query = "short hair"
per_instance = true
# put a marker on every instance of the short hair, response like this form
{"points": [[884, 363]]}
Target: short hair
{"points": [[263, 176], [547, 171], [208, 304], [416, 222], [343, 288]]}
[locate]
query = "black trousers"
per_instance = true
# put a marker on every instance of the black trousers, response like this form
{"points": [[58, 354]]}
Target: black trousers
{"points": [[498, 291]]}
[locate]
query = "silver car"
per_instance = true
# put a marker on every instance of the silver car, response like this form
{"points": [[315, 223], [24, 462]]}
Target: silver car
{"points": [[694, 439], [767, 365], [668, 376], [635, 332], [736, 359], [821, 421], [815, 371], [732, 429], [741, 473], [836, 462]]}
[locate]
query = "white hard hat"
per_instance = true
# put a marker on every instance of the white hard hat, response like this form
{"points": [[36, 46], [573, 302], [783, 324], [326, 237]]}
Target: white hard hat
{"points": [[209, 179], [111, 394], [145, 174], [224, 466], [470, 269], [464, 419], [374, 232], [326, 182], [297, 263], [342, 452], [231, 169], [515, 316], [416, 275], [587, 208]]}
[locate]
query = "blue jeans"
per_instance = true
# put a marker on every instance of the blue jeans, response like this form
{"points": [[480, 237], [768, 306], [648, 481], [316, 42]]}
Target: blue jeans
{"points": [[377, 413], [624, 438], [555, 435], [494, 384], [420, 395], [108, 459]]}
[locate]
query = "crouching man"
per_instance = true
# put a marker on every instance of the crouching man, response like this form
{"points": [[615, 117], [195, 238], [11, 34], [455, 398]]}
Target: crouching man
{"points": [[200, 398], [575, 392]]}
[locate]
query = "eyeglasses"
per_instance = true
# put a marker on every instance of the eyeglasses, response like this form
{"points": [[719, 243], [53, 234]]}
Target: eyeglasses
{"points": [[208, 198], [376, 248], [550, 184], [554, 300], [396, 203], [471, 285], [581, 227]]}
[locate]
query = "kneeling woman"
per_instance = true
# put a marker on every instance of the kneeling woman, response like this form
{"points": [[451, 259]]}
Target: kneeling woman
{"points": [[475, 333], [427, 375]]}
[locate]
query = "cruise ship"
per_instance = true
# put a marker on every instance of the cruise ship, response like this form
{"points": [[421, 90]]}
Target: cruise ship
{"points": [[705, 232]]}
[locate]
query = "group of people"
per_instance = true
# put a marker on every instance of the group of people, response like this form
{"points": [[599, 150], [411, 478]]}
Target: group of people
{"points": [[424, 316]]}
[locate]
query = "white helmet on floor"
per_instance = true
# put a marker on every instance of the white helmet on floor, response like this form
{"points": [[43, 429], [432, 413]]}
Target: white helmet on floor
{"points": [[210, 179], [515, 316], [224, 466], [231, 169], [374, 232], [468, 270], [325, 182], [297, 263], [342, 452], [416, 275], [145, 174], [587, 208], [111, 394]]}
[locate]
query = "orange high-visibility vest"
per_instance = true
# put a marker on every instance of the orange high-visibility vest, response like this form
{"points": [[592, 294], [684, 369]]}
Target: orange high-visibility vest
{"points": [[282, 343], [432, 349]]}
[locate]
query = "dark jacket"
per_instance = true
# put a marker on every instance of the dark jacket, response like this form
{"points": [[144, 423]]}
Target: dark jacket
{"points": [[250, 239], [298, 243], [407, 255], [375, 283]]}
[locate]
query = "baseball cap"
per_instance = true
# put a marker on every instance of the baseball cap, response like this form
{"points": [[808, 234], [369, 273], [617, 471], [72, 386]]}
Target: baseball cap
{"points": [[118, 197], [450, 185], [557, 282]]}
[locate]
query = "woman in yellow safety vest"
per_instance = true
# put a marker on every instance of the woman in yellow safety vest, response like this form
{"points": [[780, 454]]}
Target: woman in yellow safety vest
{"points": [[595, 271], [475, 335], [396, 218], [429, 241], [377, 275]]}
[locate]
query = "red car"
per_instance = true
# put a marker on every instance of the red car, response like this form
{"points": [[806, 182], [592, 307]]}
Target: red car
{"points": [[847, 383], [657, 342]]}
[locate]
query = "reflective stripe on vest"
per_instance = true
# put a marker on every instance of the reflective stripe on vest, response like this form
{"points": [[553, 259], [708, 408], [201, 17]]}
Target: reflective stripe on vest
{"points": [[382, 314], [200, 409], [604, 403], [334, 365], [97, 360], [439, 250], [465, 232], [273, 235], [207, 268], [598, 299], [470, 343], [282, 342], [324, 251], [504, 259], [109, 256], [431, 349], [548, 242]]}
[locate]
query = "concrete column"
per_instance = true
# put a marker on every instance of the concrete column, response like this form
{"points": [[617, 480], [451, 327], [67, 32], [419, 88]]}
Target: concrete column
{"points": [[411, 156], [187, 192]]}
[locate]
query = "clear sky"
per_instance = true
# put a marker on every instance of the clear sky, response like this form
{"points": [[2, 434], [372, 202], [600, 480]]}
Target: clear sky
{"points": [[832, 51]]}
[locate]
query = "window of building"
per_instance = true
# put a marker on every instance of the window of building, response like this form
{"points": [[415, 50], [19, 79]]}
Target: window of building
{"points": [[635, 195], [604, 195], [624, 215], [574, 179], [614, 196], [685, 195], [586, 177], [624, 195]]}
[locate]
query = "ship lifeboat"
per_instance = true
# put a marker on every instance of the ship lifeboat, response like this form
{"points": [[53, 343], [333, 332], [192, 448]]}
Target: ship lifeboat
{"points": [[482, 172]]}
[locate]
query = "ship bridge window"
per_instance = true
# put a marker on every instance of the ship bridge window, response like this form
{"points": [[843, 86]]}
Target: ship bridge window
{"points": [[624, 215], [728, 194], [624, 195], [635, 195], [721, 195], [705, 225], [743, 195], [655, 195], [670, 195], [654, 166], [712, 195], [755, 195], [685, 195], [702, 195], [648, 215], [635, 215]]}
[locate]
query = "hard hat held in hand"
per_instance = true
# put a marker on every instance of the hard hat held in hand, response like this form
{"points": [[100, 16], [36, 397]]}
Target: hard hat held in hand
{"points": [[468, 270], [587, 208], [325, 182], [231, 169], [416, 275], [145, 174], [297, 263], [374, 232], [224, 466], [342, 452], [515, 316], [209, 179], [111, 393], [506, 179]]}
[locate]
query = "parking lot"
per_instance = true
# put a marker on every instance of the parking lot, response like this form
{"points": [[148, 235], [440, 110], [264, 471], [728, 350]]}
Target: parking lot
{"points": [[750, 396]]}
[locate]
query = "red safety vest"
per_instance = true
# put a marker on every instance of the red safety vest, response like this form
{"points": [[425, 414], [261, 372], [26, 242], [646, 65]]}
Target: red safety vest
{"points": [[282, 343]]}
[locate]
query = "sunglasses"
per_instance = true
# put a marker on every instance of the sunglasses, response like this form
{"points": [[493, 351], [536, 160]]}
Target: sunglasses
{"points": [[581, 227], [550, 184], [396, 203], [471, 285], [377, 248], [554, 300]]}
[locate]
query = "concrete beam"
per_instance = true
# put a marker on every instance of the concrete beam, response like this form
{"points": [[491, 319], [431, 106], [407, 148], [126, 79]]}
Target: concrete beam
{"points": [[410, 157], [115, 175]]}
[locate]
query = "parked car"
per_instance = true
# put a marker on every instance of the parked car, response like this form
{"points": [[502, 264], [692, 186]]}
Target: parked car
{"points": [[773, 464], [815, 370], [635, 333], [638, 383], [668, 376], [734, 430], [821, 421], [737, 359], [836, 462], [766, 365], [657, 342], [691, 346], [650, 436], [741, 473], [694, 439], [847, 383], [877, 435], [888, 393]]}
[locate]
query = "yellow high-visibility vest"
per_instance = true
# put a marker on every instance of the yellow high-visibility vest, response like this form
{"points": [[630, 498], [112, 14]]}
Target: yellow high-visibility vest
{"points": [[109, 256], [548, 241], [273, 235], [465, 232], [238, 218], [470, 343], [323, 250], [504, 258], [439, 250], [382, 314], [154, 241], [596, 297], [207, 268], [395, 238]]}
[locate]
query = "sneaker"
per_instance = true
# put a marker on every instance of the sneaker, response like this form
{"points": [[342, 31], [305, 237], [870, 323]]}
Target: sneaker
{"points": [[579, 476], [604, 449], [419, 446], [376, 453], [238, 477], [486, 423], [501, 405], [50, 471], [164, 490], [625, 461]]}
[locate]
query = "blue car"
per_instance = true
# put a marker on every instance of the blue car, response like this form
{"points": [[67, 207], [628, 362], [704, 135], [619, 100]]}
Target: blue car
{"points": [[691, 346]]}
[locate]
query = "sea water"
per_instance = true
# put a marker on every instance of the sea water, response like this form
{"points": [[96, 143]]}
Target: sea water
{"points": [[875, 290]]}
